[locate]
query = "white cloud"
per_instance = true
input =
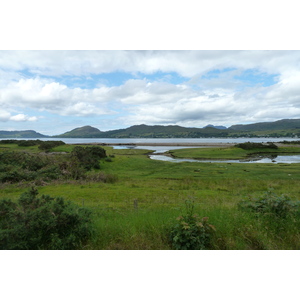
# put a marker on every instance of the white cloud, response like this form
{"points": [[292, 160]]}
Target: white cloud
{"points": [[219, 97], [6, 116], [185, 63], [22, 118], [43, 94]]}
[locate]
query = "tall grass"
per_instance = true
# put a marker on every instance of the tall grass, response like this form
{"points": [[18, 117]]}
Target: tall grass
{"points": [[161, 189]]}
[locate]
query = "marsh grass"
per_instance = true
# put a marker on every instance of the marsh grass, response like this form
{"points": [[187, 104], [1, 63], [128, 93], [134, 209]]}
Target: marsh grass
{"points": [[161, 189], [229, 152]]}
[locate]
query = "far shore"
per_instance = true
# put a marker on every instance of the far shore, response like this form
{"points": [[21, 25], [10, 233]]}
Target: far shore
{"points": [[177, 144], [162, 144]]}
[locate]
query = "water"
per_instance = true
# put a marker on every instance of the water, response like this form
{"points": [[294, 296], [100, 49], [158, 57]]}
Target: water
{"points": [[288, 159], [134, 144], [157, 149], [161, 141]]}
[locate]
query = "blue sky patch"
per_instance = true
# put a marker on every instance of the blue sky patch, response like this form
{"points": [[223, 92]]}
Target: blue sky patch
{"points": [[252, 77]]}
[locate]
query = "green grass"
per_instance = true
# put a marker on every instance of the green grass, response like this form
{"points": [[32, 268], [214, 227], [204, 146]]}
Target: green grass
{"points": [[161, 189], [228, 152]]}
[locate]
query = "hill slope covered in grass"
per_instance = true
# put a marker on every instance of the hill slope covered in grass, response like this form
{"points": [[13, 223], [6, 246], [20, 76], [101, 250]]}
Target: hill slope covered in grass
{"points": [[281, 128], [21, 134], [82, 132], [263, 126]]}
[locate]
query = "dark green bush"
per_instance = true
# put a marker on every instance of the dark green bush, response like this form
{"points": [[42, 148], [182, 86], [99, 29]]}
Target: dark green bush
{"points": [[88, 157], [48, 145], [271, 204], [191, 232], [9, 141], [16, 175], [252, 146], [290, 142], [28, 143], [52, 172], [43, 223], [18, 166]]}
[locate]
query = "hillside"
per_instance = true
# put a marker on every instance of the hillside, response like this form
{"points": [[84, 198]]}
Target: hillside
{"points": [[82, 132], [281, 128], [20, 134], [217, 127], [264, 126], [158, 131], [144, 131]]}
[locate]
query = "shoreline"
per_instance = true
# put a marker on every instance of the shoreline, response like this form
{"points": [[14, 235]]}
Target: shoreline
{"points": [[162, 144], [177, 144]]}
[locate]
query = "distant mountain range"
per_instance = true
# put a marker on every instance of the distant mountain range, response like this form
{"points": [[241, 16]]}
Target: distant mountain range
{"points": [[217, 127], [281, 128], [21, 134]]}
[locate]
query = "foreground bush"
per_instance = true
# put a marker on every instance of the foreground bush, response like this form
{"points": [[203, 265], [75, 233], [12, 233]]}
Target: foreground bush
{"points": [[280, 206], [191, 232], [43, 223]]}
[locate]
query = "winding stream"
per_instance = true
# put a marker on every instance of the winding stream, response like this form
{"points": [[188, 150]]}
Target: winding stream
{"points": [[160, 151], [275, 159]]}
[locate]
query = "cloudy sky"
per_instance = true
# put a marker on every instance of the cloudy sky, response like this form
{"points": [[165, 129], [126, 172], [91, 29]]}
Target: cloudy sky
{"points": [[55, 91]]}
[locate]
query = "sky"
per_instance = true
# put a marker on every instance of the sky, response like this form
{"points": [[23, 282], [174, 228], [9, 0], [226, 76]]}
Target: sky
{"points": [[58, 90]]}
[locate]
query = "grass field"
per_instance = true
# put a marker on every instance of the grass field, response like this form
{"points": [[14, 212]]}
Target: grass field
{"points": [[137, 208]]}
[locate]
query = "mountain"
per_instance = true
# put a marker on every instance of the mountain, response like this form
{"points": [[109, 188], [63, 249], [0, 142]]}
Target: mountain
{"points": [[281, 128], [217, 127], [145, 131], [82, 132], [20, 134], [283, 124]]}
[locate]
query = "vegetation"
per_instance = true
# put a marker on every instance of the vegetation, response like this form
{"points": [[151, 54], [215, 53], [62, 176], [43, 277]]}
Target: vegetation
{"points": [[48, 145], [35, 223], [135, 200], [88, 157], [290, 142], [239, 151], [20, 134], [272, 205], [284, 124], [252, 146], [191, 232], [85, 131], [39, 167]]}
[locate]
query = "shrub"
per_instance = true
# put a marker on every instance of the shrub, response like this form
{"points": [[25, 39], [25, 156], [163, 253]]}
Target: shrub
{"points": [[271, 204], [191, 232], [18, 166], [28, 143], [290, 142], [9, 141], [251, 146], [48, 145], [102, 177], [88, 156], [43, 223]]}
